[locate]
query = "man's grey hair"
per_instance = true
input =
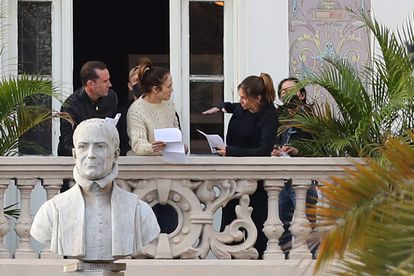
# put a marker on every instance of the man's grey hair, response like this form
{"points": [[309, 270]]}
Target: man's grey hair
{"points": [[102, 124]]}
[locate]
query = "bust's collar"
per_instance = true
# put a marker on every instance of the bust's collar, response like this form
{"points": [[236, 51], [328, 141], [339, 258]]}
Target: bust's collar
{"points": [[87, 183]]}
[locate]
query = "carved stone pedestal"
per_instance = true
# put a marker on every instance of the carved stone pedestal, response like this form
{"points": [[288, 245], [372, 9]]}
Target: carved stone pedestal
{"points": [[95, 269]]}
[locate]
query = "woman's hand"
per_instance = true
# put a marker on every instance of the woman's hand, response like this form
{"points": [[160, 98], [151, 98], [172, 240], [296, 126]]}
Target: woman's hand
{"points": [[285, 150], [221, 151], [290, 150], [158, 146], [277, 152], [211, 111]]}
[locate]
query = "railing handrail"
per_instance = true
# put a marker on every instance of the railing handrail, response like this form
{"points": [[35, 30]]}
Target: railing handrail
{"points": [[253, 167]]}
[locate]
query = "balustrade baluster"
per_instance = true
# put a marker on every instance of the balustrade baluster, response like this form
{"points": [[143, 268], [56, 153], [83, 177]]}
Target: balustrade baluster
{"points": [[191, 195], [52, 187], [4, 222], [23, 224], [273, 226], [300, 226]]}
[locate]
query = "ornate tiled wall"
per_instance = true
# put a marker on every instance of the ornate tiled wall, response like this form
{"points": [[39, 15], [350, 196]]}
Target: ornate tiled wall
{"points": [[325, 28]]}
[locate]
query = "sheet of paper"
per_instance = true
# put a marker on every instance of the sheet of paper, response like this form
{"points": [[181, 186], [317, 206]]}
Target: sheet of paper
{"points": [[214, 141], [114, 120], [168, 135], [174, 151]]}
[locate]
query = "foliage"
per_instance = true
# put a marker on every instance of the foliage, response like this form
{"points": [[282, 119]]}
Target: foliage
{"points": [[369, 216], [371, 105], [9, 211], [16, 116], [366, 221]]}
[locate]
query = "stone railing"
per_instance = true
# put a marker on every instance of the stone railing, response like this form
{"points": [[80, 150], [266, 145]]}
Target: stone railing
{"points": [[196, 191]]}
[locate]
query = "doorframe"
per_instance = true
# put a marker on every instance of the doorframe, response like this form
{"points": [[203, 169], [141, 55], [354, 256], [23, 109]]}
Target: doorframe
{"points": [[234, 55], [62, 58]]}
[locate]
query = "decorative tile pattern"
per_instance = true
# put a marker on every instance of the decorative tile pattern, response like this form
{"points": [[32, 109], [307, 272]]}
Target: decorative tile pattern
{"points": [[320, 29]]}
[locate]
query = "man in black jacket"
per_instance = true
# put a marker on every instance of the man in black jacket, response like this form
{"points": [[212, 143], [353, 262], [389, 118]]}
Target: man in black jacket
{"points": [[94, 99]]}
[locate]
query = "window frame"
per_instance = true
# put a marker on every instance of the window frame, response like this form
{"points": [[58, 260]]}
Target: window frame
{"points": [[62, 50], [180, 58]]}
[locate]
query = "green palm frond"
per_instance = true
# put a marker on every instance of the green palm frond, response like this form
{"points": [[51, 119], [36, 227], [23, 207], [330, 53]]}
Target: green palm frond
{"points": [[16, 116], [369, 106], [370, 216], [14, 90], [19, 123], [367, 218], [10, 211], [343, 84], [321, 122]]}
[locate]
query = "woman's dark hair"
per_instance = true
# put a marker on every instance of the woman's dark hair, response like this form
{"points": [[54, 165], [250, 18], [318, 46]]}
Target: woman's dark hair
{"points": [[150, 75], [255, 86], [88, 71], [295, 80]]}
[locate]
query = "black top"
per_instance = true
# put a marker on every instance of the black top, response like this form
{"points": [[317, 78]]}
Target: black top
{"points": [[251, 134], [80, 107]]}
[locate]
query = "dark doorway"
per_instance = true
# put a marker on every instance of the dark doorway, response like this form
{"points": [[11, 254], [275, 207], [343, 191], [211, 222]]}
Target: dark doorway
{"points": [[115, 31]]}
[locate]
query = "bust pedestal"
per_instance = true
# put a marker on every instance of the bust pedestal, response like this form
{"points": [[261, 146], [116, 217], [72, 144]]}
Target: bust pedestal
{"points": [[95, 268]]}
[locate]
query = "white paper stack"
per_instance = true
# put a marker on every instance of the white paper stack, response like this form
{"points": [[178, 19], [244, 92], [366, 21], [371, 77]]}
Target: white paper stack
{"points": [[174, 151]]}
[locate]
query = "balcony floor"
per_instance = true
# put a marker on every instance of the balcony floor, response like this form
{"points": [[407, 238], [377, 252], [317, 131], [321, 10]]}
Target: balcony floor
{"points": [[151, 267]]}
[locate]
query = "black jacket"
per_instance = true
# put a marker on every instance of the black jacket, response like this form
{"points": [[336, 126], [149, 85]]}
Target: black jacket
{"points": [[80, 107], [251, 134]]}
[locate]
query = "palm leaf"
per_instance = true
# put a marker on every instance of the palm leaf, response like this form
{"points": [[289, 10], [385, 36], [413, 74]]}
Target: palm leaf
{"points": [[9, 211], [368, 216], [16, 116], [368, 106], [371, 216]]}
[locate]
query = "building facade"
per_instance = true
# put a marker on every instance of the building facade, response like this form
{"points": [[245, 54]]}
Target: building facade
{"points": [[209, 46]]}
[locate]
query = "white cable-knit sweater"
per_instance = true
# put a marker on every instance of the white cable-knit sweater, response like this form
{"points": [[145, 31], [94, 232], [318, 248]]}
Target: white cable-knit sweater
{"points": [[142, 118]]}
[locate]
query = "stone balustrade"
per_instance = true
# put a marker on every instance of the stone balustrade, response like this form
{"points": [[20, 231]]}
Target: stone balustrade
{"points": [[196, 191]]}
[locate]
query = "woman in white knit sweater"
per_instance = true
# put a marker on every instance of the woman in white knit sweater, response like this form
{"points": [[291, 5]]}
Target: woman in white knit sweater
{"points": [[152, 110]]}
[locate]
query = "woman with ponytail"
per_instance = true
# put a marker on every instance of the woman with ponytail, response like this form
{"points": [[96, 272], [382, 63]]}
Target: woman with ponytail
{"points": [[251, 132], [152, 110], [253, 126]]}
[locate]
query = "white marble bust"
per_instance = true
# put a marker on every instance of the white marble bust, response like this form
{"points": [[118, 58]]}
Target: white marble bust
{"points": [[95, 220]]}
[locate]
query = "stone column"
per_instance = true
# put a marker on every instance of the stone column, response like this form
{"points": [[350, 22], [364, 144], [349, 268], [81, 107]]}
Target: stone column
{"points": [[273, 226], [300, 226], [4, 222], [23, 224], [52, 187]]}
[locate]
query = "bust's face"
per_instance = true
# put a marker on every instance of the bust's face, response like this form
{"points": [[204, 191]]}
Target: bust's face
{"points": [[94, 153]]}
